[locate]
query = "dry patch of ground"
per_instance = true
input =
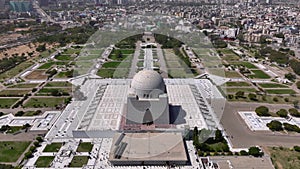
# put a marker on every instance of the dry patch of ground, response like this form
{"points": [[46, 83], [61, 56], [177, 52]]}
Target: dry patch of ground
{"points": [[37, 75]]}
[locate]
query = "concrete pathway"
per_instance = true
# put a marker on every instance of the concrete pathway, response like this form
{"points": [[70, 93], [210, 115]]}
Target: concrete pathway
{"points": [[136, 54], [162, 62]]}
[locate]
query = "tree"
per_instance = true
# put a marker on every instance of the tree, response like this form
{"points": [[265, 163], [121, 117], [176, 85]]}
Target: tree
{"points": [[55, 92], [295, 65], [32, 148], [19, 113], [294, 112], [26, 126], [279, 35], [262, 111], [119, 54], [255, 151], [282, 113], [195, 136], [291, 127], [263, 39], [203, 147], [298, 84], [36, 143], [297, 148], [28, 155], [244, 153], [275, 125], [4, 128], [39, 139], [41, 48], [290, 76], [218, 136], [38, 112], [252, 96], [275, 99], [239, 94], [296, 103], [230, 96]]}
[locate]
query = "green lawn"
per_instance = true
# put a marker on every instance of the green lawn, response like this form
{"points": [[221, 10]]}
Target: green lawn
{"points": [[46, 53], [141, 56], [85, 147], [16, 70], [44, 102], [232, 74], [177, 68], [63, 75], [218, 72], [14, 129], [230, 58], [269, 99], [10, 151], [7, 102], [180, 73], [106, 73], [229, 84], [64, 57], [50, 64], [47, 65], [44, 161], [24, 85], [121, 73], [31, 113], [95, 52], [226, 51], [245, 64], [284, 158], [272, 85], [53, 147], [116, 69], [48, 91], [259, 74], [125, 53], [71, 51], [88, 57], [234, 90], [79, 161], [156, 64], [111, 64], [140, 64], [58, 84], [281, 91], [218, 147], [248, 65], [114, 57], [13, 93]]}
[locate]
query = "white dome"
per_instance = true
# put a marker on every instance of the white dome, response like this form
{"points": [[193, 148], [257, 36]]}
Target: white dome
{"points": [[147, 81]]}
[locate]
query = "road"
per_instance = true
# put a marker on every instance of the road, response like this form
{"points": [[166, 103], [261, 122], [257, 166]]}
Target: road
{"points": [[136, 54], [162, 62], [43, 14], [148, 60]]}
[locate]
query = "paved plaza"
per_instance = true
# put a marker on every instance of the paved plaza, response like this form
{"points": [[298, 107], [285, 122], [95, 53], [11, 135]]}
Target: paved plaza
{"points": [[98, 157], [38, 123], [102, 110], [256, 123], [96, 118]]}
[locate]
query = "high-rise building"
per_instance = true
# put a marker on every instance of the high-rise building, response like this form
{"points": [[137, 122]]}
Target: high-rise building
{"points": [[2, 5]]}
